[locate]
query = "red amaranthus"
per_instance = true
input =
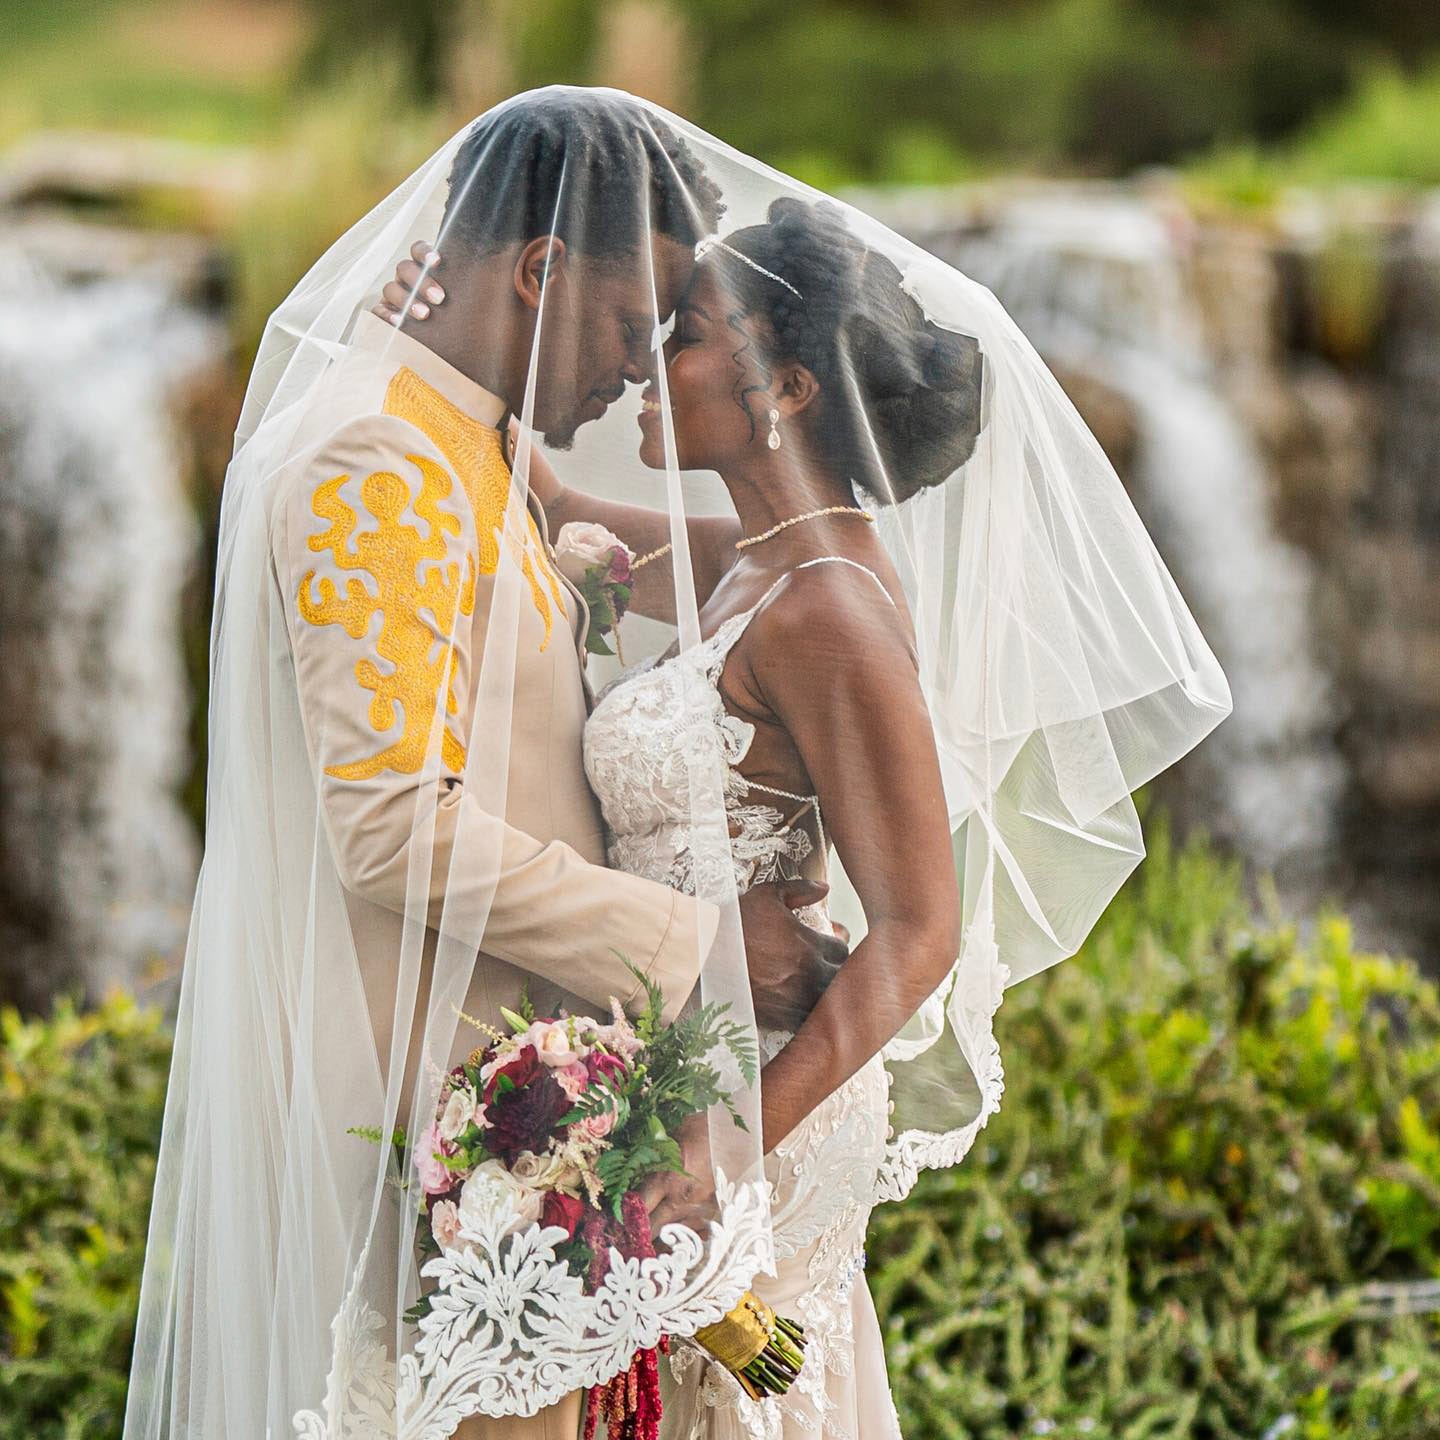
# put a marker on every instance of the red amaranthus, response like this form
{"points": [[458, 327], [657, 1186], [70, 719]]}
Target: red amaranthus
{"points": [[629, 1401]]}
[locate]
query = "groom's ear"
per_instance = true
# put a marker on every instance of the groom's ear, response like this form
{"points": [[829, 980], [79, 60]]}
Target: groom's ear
{"points": [[543, 258]]}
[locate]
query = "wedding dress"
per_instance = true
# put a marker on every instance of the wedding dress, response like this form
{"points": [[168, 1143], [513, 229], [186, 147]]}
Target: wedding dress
{"points": [[641, 742]]}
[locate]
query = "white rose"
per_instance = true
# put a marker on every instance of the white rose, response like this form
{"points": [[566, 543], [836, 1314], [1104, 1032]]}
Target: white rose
{"points": [[456, 1116], [551, 1039], [581, 544], [547, 1172], [493, 1202]]}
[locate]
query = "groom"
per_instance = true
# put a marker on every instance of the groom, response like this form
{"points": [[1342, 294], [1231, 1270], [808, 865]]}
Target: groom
{"points": [[513, 231]]}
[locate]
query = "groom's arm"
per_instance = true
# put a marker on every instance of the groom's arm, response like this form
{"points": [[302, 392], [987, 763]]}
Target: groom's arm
{"points": [[405, 830]]}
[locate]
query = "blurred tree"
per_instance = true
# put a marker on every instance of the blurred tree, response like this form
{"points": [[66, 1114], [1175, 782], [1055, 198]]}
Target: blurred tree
{"points": [[880, 89], [413, 33], [465, 53]]}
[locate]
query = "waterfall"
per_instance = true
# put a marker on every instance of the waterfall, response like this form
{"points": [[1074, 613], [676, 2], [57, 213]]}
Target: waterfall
{"points": [[97, 535], [1099, 286]]}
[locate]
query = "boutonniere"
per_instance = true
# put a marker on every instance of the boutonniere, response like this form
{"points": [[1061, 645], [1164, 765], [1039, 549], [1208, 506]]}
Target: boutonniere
{"points": [[600, 567]]}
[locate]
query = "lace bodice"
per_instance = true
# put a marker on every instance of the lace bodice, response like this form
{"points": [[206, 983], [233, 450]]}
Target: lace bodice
{"points": [[652, 735]]}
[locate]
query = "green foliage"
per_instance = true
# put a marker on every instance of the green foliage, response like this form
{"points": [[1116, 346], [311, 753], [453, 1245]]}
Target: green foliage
{"points": [[95, 64], [346, 147], [83, 1096], [1388, 130], [674, 1081], [926, 92], [915, 92], [1212, 1140], [607, 601], [1219, 1144]]}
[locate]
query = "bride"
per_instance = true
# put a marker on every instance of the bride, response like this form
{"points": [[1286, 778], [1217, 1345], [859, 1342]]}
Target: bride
{"points": [[930, 642], [809, 649]]}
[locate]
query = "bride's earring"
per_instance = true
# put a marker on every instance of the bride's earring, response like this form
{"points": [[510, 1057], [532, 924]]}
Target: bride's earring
{"points": [[774, 438]]}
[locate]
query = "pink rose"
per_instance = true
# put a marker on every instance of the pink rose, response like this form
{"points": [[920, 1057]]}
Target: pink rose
{"points": [[435, 1176], [445, 1223], [596, 1127], [573, 1079]]}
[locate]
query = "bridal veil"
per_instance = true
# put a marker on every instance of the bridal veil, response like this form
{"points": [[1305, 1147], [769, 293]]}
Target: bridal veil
{"points": [[397, 831]]}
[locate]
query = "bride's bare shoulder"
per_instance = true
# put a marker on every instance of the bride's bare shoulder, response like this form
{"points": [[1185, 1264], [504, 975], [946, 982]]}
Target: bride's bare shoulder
{"points": [[839, 608]]}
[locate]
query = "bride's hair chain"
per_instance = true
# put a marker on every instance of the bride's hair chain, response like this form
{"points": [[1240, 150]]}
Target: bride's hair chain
{"points": [[715, 243]]}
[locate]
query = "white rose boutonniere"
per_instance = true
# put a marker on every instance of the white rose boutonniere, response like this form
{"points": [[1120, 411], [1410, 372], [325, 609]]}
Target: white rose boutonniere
{"points": [[598, 564]]}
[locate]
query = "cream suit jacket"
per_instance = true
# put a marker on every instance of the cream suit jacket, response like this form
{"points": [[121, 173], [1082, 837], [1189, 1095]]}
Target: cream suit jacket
{"points": [[396, 428]]}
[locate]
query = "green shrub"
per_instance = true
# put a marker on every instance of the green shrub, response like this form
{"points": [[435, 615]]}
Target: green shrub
{"points": [[1214, 1137], [1212, 1140], [81, 1100]]}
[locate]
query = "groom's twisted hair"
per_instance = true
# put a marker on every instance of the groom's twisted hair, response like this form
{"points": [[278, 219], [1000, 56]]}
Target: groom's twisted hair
{"points": [[594, 167], [899, 395]]}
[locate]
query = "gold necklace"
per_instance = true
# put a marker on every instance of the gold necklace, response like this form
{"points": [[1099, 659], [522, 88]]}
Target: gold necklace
{"points": [[808, 515]]}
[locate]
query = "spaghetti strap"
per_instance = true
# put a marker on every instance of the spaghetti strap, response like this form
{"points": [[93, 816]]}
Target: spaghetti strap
{"points": [[844, 560], [805, 565], [720, 643]]}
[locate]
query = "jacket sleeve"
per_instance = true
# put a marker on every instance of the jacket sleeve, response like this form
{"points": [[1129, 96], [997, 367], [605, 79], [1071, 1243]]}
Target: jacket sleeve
{"points": [[376, 569]]}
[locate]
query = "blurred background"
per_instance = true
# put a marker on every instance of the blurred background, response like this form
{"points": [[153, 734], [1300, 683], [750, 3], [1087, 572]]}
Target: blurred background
{"points": [[1220, 224]]}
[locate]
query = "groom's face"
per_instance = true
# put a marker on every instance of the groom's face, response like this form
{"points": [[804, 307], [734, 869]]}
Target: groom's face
{"points": [[597, 330]]}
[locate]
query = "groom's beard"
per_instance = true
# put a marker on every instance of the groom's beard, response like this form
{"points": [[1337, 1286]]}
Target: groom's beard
{"points": [[560, 433], [561, 436]]}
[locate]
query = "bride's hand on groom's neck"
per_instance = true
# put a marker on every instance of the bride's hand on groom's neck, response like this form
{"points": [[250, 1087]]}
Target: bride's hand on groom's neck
{"points": [[790, 963], [413, 286]]}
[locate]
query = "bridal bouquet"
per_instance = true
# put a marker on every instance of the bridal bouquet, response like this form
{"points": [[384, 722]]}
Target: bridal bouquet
{"points": [[598, 564], [560, 1122]]}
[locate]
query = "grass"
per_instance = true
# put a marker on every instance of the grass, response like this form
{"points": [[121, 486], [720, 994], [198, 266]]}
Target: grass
{"points": [[1199, 1209]]}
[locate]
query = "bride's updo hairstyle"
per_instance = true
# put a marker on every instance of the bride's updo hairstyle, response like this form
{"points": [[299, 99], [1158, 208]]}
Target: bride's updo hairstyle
{"points": [[900, 396]]}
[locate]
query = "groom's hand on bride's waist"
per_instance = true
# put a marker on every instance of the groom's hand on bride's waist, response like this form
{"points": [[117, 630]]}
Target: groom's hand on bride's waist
{"points": [[790, 962]]}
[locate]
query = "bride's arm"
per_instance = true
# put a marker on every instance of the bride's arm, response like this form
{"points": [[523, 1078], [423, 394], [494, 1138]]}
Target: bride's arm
{"points": [[712, 537], [832, 666]]}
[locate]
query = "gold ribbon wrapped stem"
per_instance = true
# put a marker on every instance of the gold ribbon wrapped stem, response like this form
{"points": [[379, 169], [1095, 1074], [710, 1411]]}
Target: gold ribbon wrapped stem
{"points": [[738, 1337]]}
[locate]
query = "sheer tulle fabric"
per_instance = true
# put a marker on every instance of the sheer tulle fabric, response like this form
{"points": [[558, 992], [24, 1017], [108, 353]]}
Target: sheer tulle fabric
{"points": [[393, 644]]}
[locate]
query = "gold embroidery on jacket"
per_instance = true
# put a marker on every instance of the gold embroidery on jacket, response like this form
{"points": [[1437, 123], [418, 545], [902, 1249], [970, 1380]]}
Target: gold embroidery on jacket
{"points": [[477, 456], [392, 555]]}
